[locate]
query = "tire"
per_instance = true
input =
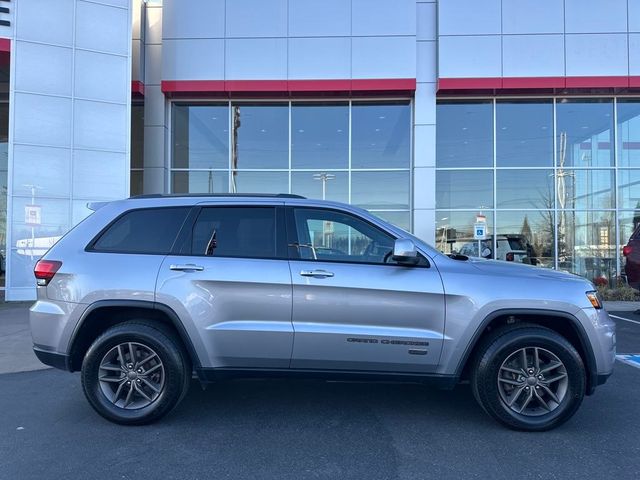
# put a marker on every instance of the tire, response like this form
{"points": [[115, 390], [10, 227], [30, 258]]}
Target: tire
{"points": [[542, 396], [141, 391]]}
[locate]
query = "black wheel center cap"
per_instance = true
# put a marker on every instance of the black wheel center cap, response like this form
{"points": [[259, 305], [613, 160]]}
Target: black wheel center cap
{"points": [[532, 381], [131, 375]]}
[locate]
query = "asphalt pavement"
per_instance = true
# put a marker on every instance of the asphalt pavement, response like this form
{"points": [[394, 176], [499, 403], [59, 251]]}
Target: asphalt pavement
{"points": [[308, 429]]}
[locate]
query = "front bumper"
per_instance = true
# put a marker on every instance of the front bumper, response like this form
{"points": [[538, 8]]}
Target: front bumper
{"points": [[53, 359]]}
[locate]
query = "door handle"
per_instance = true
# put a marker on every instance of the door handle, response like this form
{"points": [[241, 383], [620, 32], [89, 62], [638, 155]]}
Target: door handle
{"points": [[316, 273], [187, 267]]}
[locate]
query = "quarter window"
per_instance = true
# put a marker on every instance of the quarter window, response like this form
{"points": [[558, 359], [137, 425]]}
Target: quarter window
{"points": [[150, 230], [235, 232]]}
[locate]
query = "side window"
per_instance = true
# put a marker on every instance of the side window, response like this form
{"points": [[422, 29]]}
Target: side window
{"points": [[235, 232], [334, 236], [149, 230]]}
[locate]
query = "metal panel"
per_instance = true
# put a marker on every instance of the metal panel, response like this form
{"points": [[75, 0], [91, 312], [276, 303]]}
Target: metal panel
{"points": [[634, 54], [100, 125], [99, 175], [101, 77], [597, 55], [256, 18], [49, 22], [424, 194], [201, 59], [43, 68], [595, 16], [318, 58], [249, 59], [525, 16], [153, 25], [533, 55], [384, 57], [425, 150], [424, 222], [425, 104], [382, 17], [634, 16], [469, 17], [42, 120], [102, 28], [197, 19], [427, 63], [319, 18], [469, 56], [52, 162], [153, 64], [427, 21]]}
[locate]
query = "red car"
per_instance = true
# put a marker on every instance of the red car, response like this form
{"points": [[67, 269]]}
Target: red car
{"points": [[631, 251]]}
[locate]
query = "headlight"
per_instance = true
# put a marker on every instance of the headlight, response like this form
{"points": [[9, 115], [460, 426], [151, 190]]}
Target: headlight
{"points": [[594, 298]]}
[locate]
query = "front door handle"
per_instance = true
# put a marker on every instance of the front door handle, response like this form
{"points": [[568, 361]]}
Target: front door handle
{"points": [[316, 273], [187, 267]]}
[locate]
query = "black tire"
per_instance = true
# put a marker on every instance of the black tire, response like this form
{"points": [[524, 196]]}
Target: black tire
{"points": [[500, 347], [176, 369]]}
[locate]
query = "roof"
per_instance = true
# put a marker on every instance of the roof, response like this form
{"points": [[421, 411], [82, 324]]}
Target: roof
{"points": [[219, 195]]}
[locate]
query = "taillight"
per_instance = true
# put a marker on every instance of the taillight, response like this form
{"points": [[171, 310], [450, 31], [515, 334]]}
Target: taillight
{"points": [[510, 257], [45, 270], [626, 250]]}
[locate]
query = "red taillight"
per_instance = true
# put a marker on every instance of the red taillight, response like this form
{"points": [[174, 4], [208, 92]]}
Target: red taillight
{"points": [[45, 270], [626, 250], [510, 257]]}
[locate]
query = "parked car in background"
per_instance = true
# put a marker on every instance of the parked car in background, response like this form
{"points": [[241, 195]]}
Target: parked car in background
{"points": [[631, 252], [510, 248], [146, 291]]}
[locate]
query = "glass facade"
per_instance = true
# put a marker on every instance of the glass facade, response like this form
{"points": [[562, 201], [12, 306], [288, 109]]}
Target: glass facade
{"points": [[557, 180], [356, 152]]}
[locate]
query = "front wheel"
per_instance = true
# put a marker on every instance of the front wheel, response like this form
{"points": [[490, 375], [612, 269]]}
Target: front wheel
{"points": [[529, 378], [135, 373]]}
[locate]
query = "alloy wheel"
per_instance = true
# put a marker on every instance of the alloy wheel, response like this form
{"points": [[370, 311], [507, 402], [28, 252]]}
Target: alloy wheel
{"points": [[131, 375], [532, 381]]}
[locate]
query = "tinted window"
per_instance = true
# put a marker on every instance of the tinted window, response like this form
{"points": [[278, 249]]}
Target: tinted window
{"points": [[151, 230], [326, 235], [235, 232]]}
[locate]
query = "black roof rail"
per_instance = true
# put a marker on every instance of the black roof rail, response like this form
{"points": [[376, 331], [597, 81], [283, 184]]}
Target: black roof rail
{"points": [[218, 195]]}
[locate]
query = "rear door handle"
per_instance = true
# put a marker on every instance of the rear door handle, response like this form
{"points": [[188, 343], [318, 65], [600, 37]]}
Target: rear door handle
{"points": [[187, 267], [316, 273]]}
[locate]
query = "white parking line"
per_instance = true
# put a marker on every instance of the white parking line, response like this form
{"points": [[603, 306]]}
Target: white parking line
{"points": [[633, 360], [625, 319]]}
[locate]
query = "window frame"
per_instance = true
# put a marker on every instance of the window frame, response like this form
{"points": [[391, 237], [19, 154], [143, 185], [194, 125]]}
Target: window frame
{"points": [[293, 243], [185, 236], [91, 246]]}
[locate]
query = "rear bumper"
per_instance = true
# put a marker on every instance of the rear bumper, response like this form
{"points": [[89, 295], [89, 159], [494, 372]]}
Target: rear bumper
{"points": [[53, 359]]}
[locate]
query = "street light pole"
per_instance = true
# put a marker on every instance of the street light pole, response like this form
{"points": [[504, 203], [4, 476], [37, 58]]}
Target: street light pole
{"points": [[324, 177]]}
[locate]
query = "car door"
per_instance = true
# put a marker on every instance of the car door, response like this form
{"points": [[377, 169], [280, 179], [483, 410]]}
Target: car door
{"points": [[353, 307], [229, 280]]}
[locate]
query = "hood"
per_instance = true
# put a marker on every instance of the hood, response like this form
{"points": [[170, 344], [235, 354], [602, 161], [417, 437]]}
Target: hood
{"points": [[498, 267]]}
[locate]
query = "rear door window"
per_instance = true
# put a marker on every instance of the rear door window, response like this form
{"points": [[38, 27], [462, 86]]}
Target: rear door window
{"points": [[248, 232], [148, 230]]}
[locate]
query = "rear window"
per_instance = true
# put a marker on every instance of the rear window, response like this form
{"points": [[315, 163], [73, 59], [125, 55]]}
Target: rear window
{"points": [[149, 230], [235, 232], [516, 244]]}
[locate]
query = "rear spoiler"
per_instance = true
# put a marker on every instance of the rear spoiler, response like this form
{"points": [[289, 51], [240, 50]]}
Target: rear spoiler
{"points": [[93, 206]]}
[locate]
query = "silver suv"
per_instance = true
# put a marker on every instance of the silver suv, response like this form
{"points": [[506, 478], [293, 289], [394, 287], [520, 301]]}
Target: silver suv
{"points": [[149, 290]]}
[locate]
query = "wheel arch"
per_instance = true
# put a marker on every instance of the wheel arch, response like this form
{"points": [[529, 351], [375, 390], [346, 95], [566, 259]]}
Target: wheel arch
{"points": [[103, 314], [563, 323]]}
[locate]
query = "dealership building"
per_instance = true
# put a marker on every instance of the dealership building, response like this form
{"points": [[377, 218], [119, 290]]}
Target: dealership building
{"points": [[520, 116]]}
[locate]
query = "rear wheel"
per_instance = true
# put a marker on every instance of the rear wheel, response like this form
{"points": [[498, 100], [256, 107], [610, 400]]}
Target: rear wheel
{"points": [[135, 373], [529, 378]]}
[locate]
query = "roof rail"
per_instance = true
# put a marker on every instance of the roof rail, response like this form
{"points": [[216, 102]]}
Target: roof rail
{"points": [[218, 195]]}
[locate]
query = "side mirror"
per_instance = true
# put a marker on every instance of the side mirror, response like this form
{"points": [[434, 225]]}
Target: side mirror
{"points": [[405, 252]]}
